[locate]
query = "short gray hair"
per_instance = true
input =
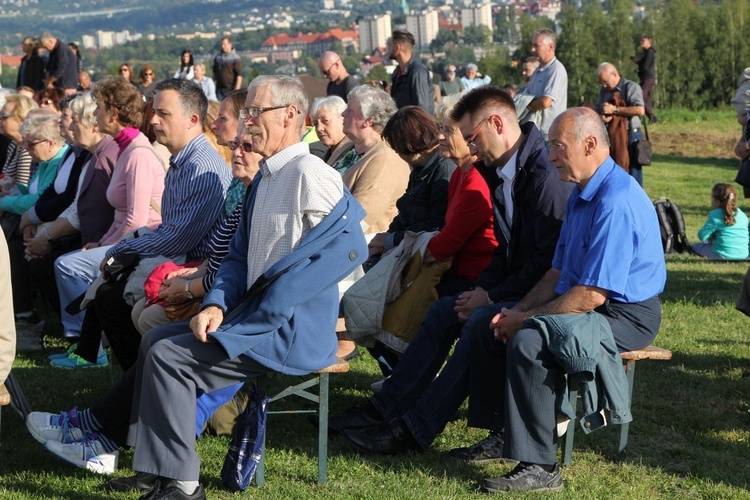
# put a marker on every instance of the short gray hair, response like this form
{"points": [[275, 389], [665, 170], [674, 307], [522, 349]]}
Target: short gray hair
{"points": [[448, 103], [42, 125], [472, 66], [547, 35], [375, 104], [46, 36], [285, 90], [84, 106], [332, 103]]}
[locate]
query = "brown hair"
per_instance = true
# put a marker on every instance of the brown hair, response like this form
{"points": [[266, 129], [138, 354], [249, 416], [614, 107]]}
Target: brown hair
{"points": [[146, 68], [727, 198], [131, 76], [115, 93], [411, 130], [54, 95]]}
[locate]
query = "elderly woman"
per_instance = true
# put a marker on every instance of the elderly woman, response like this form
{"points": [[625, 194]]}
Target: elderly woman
{"points": [[89, 216], [372, 171], [18, 162], [326, 115], [413, 134], [134, 191], [191, 283], [47, 147], [148, 81], [468, 235], [224, 127]]}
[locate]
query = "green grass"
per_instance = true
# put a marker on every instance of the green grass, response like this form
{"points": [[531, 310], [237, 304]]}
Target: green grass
{"points": [[690, 437]]}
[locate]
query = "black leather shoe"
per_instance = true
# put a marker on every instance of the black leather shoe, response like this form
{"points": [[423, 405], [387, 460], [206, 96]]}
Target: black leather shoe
{"points": [[143, 483], [170, 491], [359, 417], [388, 439]]}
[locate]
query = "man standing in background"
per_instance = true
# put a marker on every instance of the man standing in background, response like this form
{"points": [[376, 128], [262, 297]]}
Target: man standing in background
{"points": [[646, 62], [227, 69]]}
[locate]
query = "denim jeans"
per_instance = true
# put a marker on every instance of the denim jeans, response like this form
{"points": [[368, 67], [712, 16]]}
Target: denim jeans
{"points": [[427, 403]]}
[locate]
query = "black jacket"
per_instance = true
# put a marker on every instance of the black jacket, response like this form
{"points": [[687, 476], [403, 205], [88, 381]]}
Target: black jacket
{"points": [[32, 68], [51, 204], [63, 65], [413, 87], [423, 206], [539, 200]]}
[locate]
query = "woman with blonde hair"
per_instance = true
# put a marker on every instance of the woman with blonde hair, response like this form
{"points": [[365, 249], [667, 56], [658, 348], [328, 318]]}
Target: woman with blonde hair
{"points": [[18, 162]]}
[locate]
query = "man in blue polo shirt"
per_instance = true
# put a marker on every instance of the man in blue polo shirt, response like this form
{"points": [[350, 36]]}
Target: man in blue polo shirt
{"points": [[608, 271]]}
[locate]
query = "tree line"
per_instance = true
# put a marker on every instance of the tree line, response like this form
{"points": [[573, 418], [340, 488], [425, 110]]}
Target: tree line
{"points": [[701, 47]]}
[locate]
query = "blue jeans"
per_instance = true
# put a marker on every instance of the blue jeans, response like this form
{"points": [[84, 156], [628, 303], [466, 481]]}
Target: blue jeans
{"points": [[427, 403], [74, 272]]}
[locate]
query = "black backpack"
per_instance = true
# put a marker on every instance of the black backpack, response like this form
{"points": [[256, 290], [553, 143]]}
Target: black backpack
{"points": [[672, 227]]}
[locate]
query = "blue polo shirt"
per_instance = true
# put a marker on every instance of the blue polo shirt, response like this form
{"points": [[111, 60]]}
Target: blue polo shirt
{"points": [[610, 239]]}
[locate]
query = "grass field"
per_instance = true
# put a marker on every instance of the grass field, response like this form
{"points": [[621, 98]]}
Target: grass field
{"points": [[690, 437]]}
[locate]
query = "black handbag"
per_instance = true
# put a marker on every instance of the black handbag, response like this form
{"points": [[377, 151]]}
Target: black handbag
{"points": [[644, 148], [120, 267]]}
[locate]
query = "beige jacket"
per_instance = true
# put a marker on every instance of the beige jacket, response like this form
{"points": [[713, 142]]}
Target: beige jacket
{"points": [[7, 319], [377, 181]]}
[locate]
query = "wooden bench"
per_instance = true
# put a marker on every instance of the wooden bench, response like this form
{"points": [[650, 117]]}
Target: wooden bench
{"points": [[629, 358], [319, 378]]}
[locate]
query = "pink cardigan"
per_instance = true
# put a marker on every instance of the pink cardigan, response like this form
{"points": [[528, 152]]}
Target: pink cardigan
{"points": [[137, 179]]}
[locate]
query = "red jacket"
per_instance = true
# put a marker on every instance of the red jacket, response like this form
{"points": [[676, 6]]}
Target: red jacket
{"points": [[468, 234]]}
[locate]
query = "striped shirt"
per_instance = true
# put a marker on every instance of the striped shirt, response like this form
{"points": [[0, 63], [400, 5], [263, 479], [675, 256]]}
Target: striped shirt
{"points": [[296, 192], [219, 244], [18, 164], [192, 204]]}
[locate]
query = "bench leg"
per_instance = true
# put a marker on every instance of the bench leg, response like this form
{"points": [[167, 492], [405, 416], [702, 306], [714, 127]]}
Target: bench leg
{"points": [[567, 439], [625, 428], [323, 429]]}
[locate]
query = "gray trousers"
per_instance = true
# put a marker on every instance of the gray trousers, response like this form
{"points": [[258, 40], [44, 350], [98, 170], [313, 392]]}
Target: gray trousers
{"points": [[173, 368], [533, 378]]}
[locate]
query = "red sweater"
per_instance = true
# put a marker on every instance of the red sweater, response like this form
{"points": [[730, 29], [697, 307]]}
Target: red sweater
{"points": [[468, 234]]}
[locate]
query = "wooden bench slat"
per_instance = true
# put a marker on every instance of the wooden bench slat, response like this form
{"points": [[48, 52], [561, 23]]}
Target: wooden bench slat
{"points": [[650, 352], [340, 366]]}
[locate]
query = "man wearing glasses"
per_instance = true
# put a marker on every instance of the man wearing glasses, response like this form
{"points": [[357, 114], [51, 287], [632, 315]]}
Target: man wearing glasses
{"points": [[300, 235], [451, 84], [528, 199], [332, 68]]}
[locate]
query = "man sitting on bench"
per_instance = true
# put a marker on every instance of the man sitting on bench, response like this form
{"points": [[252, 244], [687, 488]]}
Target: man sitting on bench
{"points": [[606, 276]]}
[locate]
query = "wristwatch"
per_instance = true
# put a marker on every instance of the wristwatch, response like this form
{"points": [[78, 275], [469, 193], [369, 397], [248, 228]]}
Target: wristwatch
{"points": [[188, 293], [617, 111], [46, 235]]}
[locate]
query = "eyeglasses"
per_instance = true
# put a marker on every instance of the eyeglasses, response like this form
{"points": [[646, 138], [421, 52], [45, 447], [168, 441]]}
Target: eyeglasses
{"points": [[148, 73], [246, 146], [32, 144], [48, 102], [470, 140], [5, 116], [124, 70], [256, 111], [450, 70], [325, 73]]}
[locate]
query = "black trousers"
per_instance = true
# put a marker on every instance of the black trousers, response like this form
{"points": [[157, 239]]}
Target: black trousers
{"points": [[111, 314]]}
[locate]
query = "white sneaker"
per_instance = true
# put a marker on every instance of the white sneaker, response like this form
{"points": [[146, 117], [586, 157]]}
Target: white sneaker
{"points": [[88, 454], [61, 427]]}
